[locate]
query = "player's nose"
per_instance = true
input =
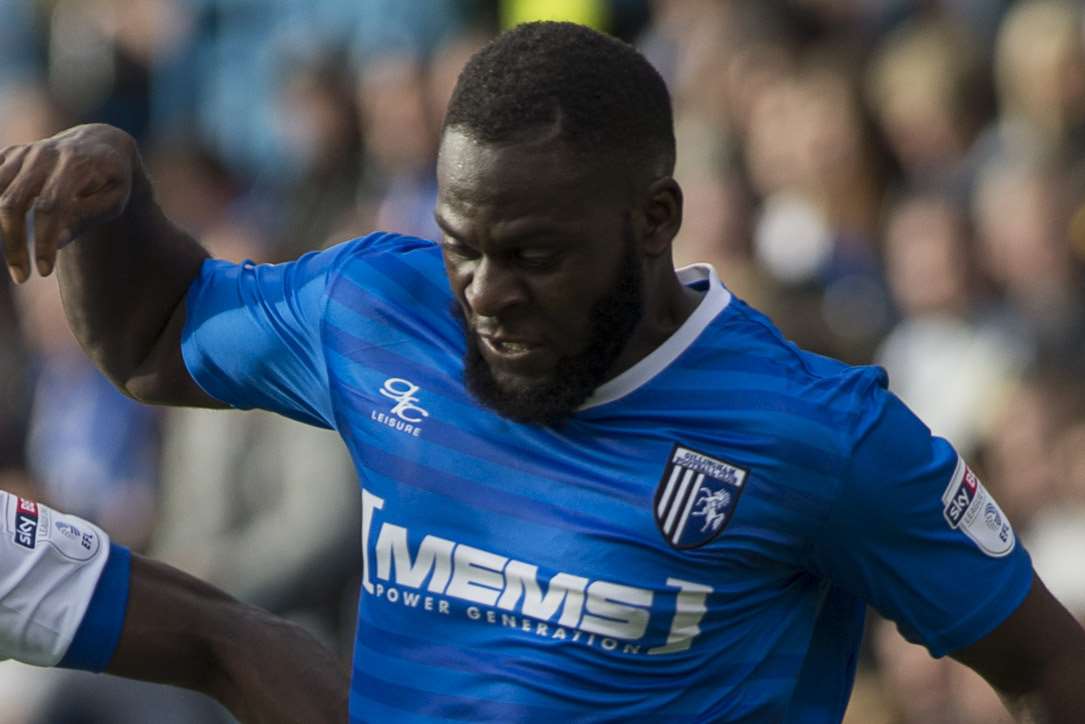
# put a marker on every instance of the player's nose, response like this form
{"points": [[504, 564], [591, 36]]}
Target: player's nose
{"points": [[493, 289]]}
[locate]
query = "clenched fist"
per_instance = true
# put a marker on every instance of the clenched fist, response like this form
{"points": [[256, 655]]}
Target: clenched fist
{"points": [[53, 190]]}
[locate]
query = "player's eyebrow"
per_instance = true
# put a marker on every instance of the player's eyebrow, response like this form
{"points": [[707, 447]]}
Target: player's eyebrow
{"points": [[535, 234], [446, 227], [546, 235]]}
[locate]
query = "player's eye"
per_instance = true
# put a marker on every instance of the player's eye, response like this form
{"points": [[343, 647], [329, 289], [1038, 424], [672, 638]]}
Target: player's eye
{"points": [[457, 248], [537, 257]]}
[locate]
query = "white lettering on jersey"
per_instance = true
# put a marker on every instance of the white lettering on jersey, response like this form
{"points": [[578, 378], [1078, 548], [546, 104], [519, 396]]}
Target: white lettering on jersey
{"points": [[403, 392], [618, 611], [566, 591], [434, 555], [477, 575], [612, 611], [688, 612]]}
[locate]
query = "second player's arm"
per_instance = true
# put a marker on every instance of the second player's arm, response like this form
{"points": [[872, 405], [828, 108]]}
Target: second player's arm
{"points": [[181, 631], [123, 279], [1035, 660]]}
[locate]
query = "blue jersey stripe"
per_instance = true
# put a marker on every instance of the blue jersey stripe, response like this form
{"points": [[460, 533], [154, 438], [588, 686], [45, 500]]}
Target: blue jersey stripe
{"points": [[371, 687], [486, 497], [459, 450], [414, 280], [758, 401]]}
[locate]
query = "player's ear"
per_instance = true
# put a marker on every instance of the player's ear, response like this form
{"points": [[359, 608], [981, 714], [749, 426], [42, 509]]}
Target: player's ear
{"points": [[662, 215]]}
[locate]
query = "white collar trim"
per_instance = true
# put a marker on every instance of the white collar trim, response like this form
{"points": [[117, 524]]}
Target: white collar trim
{"points": [[715, 301]]}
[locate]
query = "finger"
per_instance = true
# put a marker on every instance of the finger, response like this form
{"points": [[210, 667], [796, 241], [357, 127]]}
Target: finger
{"points": [[11, 160], [12, 215], [52, 217], [44, 226]]}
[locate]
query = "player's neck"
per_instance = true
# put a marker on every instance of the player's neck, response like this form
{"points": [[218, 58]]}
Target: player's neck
{"points": [[667, 305]]}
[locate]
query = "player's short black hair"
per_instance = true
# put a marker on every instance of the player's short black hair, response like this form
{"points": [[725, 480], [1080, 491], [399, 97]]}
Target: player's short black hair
{"points": [[600, 93]]}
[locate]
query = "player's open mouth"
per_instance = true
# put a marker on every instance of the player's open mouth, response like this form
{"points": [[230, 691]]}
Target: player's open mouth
{"points": [[509, 347], [509, 350]]}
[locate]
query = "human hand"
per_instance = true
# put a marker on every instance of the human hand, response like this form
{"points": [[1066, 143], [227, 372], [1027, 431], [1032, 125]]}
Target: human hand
{"points": [[54, 189]]}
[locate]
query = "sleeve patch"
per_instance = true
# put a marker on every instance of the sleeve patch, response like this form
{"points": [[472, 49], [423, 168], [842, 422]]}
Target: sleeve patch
{"points": [[969, 508], [26, 523], [31, 523]]}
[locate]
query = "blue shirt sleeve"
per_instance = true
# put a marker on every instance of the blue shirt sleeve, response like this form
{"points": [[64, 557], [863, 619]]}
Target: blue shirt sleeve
{"points": [[98, 634], [252, 336], [914, 533]]}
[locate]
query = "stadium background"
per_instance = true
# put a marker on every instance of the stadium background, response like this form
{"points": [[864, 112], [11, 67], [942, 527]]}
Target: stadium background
{"points": [[894, 181]]}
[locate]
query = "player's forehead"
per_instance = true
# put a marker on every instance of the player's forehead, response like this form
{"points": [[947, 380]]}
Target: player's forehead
{"points": [[469, 166]]}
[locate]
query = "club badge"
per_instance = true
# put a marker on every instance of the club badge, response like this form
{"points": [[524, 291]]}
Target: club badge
{"points": [[696, 497]]}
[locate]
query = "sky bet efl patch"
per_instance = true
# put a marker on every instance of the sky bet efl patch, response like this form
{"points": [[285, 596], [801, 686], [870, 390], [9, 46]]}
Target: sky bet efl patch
{"points": [[696, 497], [968, 507], [31, 525], [26, 523]]}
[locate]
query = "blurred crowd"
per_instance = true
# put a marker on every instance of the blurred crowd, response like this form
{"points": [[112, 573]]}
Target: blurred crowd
{"points": [[899, 182]]}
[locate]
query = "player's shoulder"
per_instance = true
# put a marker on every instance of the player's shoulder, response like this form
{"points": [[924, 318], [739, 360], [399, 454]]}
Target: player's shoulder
{"points": [[787, 416], [382, 255], [383, 242], [802, 410], [361, 250], [827, 389]]}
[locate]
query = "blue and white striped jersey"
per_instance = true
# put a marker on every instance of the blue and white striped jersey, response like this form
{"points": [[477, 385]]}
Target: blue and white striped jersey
{"points": [[696, 543]]}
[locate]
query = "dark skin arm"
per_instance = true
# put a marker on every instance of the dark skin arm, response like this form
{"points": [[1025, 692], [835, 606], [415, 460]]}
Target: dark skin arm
{"points": [[1035, 660], [183, 632], [81, 202]]}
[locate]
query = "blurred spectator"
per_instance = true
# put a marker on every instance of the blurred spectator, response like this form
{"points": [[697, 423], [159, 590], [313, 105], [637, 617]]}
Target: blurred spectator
{"points": [[950, 364], [1037, 464], [925, 87], [402, 144], [320, 126], [922, 690], [1040, 71], [813, 158], [1019, 466], [1022, 221]]}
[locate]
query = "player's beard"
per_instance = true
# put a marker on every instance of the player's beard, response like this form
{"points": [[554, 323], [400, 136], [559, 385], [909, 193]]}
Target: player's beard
{"points": [[612, 320]]}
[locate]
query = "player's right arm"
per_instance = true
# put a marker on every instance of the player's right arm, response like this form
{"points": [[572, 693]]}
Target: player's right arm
{"points": [[181, 631], [71, 599], [81, 202], [164, 322]]}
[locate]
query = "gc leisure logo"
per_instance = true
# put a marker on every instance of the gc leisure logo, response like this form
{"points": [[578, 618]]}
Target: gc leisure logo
{"points": [[406, 414]]}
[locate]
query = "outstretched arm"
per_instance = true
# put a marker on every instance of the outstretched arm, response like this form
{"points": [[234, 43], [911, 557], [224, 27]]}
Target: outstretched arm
{"points": [[68, 598], [1035, 660], [81, 202], [181, 631]]}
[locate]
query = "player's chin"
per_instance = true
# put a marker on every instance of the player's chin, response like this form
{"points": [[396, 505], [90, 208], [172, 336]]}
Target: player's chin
{"points": [[520, 384]]}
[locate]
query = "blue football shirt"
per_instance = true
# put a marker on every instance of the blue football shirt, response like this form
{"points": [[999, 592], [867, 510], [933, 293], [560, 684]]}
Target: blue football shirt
{"points": [[696, 543]]}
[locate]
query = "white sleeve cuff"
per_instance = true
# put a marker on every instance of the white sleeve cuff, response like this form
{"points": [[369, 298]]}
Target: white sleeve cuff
{"points": [[50, 564]]}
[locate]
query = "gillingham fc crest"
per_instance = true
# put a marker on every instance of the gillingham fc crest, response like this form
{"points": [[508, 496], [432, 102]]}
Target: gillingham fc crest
{"points": [[696, 497]]}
